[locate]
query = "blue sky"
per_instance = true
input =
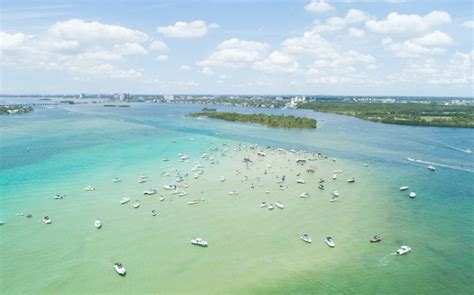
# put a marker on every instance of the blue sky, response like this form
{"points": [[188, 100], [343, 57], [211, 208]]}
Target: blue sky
{"points": [[238, 47]]}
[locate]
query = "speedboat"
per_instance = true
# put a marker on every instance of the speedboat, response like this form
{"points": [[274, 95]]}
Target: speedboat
{"points": [[279, 204], [2, 222], [119, 268], [333, 199], [375, 239], [431, 168], [412, 195], [321, 186], [89, 188], [271, 207], [98, 223], [169, 187], [404, 188], [304, 195], [193, 202], [305, 238], [321, 180], [124, 200], [468, 151], [47, 220], [366, 164], [59, 197], [142, 180], [351, 180], [136, 204], [233, 193], [263, 205], [162, 198], [116, 179], [337, 171], [153, 212], [330, 242], [165, 159], [150, 191], [335, 193], [411, 159], [199, 242], [143, 176], [222, 179], [403, 250], [300, 181], [334, 176], [334, 159]]}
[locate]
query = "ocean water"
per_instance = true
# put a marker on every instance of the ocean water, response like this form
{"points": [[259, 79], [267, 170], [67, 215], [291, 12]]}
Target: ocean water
{"points": [[252, 250]]}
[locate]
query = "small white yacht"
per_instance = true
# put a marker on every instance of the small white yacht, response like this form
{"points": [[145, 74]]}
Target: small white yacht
{"points": [[141, 180], [300, 181], [119, 268], [116, 179], [153, 212], [305, 195], [306, 238], [403, 250], [431, 168], [271, 207], [150, 191], [366, 164], [351, 180], [412, 195], [404, 188], [162, 198], [136, 204], [47, 220], [330, 242], [199, 242], [334, 176], [468, 151], [2, 222], [279, 204], [124, 200], [222, 179], [193, 202], [337, 171], [89, 188], [335, 193], [263, 205], [233, 193], [169, 187], [98, 223]]}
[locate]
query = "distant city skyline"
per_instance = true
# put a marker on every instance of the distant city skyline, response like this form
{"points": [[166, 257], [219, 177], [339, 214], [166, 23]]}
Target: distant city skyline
{"points": [[317, 47]]}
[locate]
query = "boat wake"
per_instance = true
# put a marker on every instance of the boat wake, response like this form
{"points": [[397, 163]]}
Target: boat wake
{"points": [[461, 168], [384, 261]]}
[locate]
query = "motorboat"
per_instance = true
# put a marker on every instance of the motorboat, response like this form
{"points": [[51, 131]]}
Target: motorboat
{"points": [[330, 242], [366, 164], [47, 220], [89, 188], [182, 194], [300, 181], [271, 207], [116, 179], [150, 191], [404, 188], [143, 176], [162, 198], [119, 268], [29, 215], [334, 159], [59, 197], [468, 151], [169, 187], [141, 180], [306, 238], [333, 199], [263, 205], [321, 180], [412, 195], [334, 176], [193, 202], [199, 242], [165, 159], [19, 214], [305, 195], [222, 179], [403, 250], [321, 186], [2, 222], [411, 159], [124, 200], [98, 223], [335, 193], [267, 191], [136, 204], [279, 204], [337, 171], [375, 239], [431, 168], [351, 180], [153, 212], [233, 193]]}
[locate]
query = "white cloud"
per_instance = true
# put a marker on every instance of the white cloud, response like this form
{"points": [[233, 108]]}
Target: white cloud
{"points": [[130, 49], [468, 24], [278, 62], [11, 41], [162, 57], [356, 33], [180, 29], [338, 23], [354, 16], [436, 38], [318, 6], [409, 48], [235, 53], [214, 26], [409, 23], [185, 68], [158, 45]]}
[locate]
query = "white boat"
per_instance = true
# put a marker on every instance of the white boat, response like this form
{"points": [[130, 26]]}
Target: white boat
{"points": [[98, 223], [233, 193], [136, 204], [411, 159], [305, 195], [193, 202], [306, 238], [199, 242], [330, 242], [150, 191], [169, 187], [279, 204], [271, 207], [89, 188], [116, 179], [162, 198], [124, 200], [351, 180], [47, 220], [468, 151], [321, 186], [335, 193], [119, 268], [333, 199], [182, 194], [366, 164], [222, 179], [142, 180], [412, 195], [337, 171], [165, 159], [334, 159], [59, 197], [143, 176], [403, 250], [263, 205], [334, 176], [300, 181], [267, 191], [404, 188], [2, 222], [153, 212], [431, 168]]}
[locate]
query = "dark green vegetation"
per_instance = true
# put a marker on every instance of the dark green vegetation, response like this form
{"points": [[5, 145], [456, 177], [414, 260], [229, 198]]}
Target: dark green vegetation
{"points": [[14, 109], [67, 101], [274, 121], [425, 114], [208, 110]]}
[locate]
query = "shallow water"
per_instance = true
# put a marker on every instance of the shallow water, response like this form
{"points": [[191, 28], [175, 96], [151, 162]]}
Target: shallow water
{"points": [[252, 250]]}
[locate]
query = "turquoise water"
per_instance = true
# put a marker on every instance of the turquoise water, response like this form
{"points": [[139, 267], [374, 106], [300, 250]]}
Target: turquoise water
{"points": [[62, 150]]}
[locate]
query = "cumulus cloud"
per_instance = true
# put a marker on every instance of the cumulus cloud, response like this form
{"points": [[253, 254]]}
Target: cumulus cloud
{"points": [[332, 24], [278, 62], [318, 6], [409, 48], [158, 45], [409, 23], [356, 33], [468, 24], [11, 41], [180, 29], [162, 57], [436, 38]]}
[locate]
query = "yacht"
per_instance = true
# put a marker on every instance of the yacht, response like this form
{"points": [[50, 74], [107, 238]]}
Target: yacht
{"points": [[279, 204], [351, 180], [468, 151], [375, 239], [337, 171], [193, 202], [431, 168], [330, 242], [366, 164], [271, 207], [306, 238], [141, 180], [124, 200], [334, 176], [300, 181], [404, 188], [222, 179], [263, 205], [199, 242], [162, 198], [89, 188], [2, 222], [150, 191], [403, 250], [165, 159], [47, 220], [335, 193], [153, 212], [233, 193], [98, 223], [119, 268], [321, 187], [169, 187], [136, 204], [412, 195], [304, 195], [411, 159], [116, 179]]}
